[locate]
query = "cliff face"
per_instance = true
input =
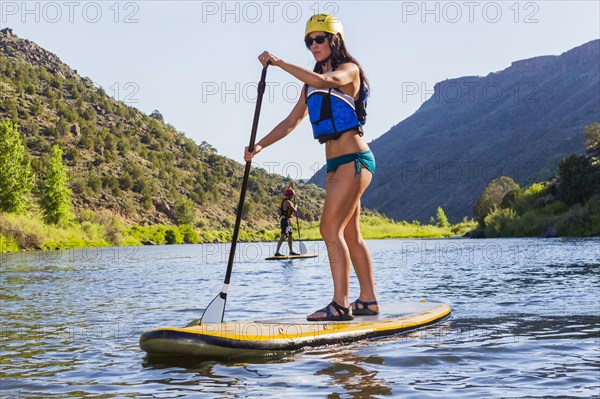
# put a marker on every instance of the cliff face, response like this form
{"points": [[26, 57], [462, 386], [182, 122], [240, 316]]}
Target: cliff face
{"points": [[518, 122]]}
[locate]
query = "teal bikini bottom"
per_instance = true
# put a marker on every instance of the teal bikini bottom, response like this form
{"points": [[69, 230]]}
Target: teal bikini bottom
{"points": [[364, 158]]}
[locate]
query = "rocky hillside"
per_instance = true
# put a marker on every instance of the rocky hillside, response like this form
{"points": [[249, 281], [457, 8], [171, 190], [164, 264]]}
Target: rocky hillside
{"points": [[121, 160], [519, 122]]}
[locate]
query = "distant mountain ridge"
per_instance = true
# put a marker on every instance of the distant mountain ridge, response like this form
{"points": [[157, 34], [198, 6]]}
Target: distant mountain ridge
{"points": [[519, 122], [11, 46]]}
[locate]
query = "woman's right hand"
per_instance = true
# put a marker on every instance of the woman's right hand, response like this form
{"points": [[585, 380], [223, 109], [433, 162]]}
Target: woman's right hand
{"points": [[249, 155], [266, 58]]}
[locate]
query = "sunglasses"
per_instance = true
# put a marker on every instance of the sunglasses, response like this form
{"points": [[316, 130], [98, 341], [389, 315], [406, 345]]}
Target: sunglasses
{"points": [[319, 39]]}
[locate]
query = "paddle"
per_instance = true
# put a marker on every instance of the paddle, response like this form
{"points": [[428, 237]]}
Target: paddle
{"points": [[216, 309], [303, 249]]}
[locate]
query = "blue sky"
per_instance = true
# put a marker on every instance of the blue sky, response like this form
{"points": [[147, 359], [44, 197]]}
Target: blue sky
{"points": [[195, 61]]}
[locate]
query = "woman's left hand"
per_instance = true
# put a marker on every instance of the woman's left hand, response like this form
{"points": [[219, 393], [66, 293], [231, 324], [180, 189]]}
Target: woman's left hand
{"points": [[249, 155], [266, 57]]}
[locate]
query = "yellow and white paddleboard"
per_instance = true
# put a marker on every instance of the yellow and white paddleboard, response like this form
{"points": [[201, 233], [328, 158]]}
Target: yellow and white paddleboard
{"points": [[286, 257], [243, 338]]}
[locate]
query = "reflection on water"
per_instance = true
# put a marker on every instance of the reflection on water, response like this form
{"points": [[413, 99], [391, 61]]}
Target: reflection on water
{"points": [[525, 320], [354, 381]]}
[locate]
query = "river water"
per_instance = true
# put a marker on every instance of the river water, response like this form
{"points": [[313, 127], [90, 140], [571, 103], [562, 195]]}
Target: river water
{"points": [[525, 321]]}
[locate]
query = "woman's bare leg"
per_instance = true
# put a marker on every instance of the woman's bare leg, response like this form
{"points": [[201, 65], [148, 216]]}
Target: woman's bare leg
{"points": [[343, 191], [361, 259]]}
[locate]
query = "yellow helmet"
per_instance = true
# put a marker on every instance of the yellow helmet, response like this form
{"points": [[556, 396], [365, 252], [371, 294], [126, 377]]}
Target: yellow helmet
{"points": [[324, 23]]}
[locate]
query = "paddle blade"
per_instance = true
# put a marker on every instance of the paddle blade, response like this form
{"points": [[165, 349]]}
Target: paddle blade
{"points": [[303, 249], [215, 310]]}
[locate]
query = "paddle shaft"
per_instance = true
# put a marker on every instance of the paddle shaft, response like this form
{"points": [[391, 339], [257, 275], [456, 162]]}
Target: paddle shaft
{"points": [[215, 310], [298, 221], [298, 225], [301, 246], [238, 216]]}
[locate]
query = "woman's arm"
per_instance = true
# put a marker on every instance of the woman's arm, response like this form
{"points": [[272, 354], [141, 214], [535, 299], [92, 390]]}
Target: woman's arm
{"points": [[284, 128], [345, 74]]}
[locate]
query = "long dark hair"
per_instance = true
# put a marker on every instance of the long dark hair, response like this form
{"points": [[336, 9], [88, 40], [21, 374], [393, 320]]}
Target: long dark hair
{"points": [[339, 55]]}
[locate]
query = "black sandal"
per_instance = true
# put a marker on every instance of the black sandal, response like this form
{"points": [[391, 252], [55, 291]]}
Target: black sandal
{"points": [[343, 313], [364, 310]]}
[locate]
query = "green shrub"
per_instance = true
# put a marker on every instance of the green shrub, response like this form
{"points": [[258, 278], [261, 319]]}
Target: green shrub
{"points": [[185, 212], [8, 243], [579, 179], [554, 208], [190, 236], [94, 183], [158, 234], [492, 196], [575, 222], [173, 236], [512, 198], [593, 210], [500, 223], [126, 181], [146, 200], [89, 114]]}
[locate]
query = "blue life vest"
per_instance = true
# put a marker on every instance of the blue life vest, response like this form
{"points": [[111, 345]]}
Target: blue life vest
{"points": [[333, 113]]}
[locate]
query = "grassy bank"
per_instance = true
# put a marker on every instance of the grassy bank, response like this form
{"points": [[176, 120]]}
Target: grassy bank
{"points": [[554, 219], [90, 229], [378, 227], [543, 210]]}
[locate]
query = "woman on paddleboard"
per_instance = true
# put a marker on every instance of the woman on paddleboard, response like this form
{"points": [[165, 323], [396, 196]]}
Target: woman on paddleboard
{"points": [[334, 94]]}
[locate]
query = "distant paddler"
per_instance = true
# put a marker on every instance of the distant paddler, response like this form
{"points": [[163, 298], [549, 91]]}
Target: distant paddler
{"points": [[286, 210]]}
